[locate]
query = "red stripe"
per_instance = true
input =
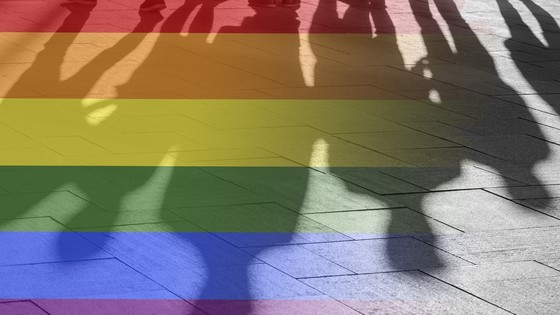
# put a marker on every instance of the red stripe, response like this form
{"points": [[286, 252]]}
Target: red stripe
{"points": [[232, 16]]}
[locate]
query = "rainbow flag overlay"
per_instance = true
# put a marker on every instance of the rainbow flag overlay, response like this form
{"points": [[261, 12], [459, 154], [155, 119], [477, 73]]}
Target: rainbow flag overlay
{"points": [[222, 159]]}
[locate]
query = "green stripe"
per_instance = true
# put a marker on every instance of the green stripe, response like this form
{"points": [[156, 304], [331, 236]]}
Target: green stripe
{"points": [[189, 199]]}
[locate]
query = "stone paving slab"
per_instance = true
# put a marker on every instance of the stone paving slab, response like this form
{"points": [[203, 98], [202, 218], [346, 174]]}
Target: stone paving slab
{"points": [[383, 255], [329, 159], [493, 212], [501, 246], [21, 308], [516, 287], [401, 292]]}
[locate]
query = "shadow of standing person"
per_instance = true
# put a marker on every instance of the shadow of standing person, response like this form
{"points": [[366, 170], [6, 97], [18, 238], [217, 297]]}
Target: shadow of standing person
{"points": [[494, 135], [523, 42], [377, 55], [62, 97], [229, 286]]}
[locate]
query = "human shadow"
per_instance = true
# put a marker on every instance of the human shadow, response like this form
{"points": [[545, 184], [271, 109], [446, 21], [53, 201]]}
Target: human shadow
{"points": [[382, 57], [523, 39], [203, 195], [495, 136], [182, 73], [226, 216], [74, 196]]}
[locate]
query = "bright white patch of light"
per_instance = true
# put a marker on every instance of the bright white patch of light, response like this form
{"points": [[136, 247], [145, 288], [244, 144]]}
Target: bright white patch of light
{"points": [[427, 73], [99, 115], [434, 96], [151, 195], [320, 154], [307, 60], [211, 38]]}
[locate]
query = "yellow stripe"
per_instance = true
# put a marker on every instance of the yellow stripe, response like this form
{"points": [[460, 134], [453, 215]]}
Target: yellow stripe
{"points": [[206, 132]]}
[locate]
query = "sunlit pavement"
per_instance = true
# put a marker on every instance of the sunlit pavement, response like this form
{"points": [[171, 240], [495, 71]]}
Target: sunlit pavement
{"points": [[327, 159]]}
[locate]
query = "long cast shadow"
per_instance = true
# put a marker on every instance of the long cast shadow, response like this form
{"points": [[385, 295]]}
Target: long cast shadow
{"points": [[522, 38], [381, 50], [65, 185], [227, 288], [497, 136]]}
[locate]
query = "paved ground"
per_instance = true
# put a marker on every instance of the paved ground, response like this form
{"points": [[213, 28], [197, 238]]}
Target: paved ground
{"points": [[327, 160]]}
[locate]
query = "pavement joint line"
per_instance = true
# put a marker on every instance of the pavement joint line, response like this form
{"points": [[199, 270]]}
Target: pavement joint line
{"points": [[523, 205], [353, 210], [473, 233], [28, 218], [330, 276], [88, 201], [546, 140], [365, 273], [544, 264], [329, 242], [223, 206], [15, 301], [492, 171], [329, 260], [371, 189], [369, 149], [39, 307], [434, 191], [156, 282], [102, 249], [439, 221], [466, 291], [58, 262], [443, 250], [108, 227]]}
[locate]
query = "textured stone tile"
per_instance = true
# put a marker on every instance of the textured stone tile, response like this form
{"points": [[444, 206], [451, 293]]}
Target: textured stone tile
{"points": [[28, 179], [323, 305], [544, 173], [46, 247], [400, 292], [117, 306], [74, 280], [297, 261], [372, 178], [259, 225], [462, 176], [520, 287], [527, 192], [391, 140], [410, 111], [383, 255], [519, 149], [550, 206], [304, 190], [553, 263], [442, 130], [453, 168], [332, 119], [21, 308], [502, 245], [243, 282], [382, 223], [168, 251], [153, 188], [475, 210], [535, 101]]}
